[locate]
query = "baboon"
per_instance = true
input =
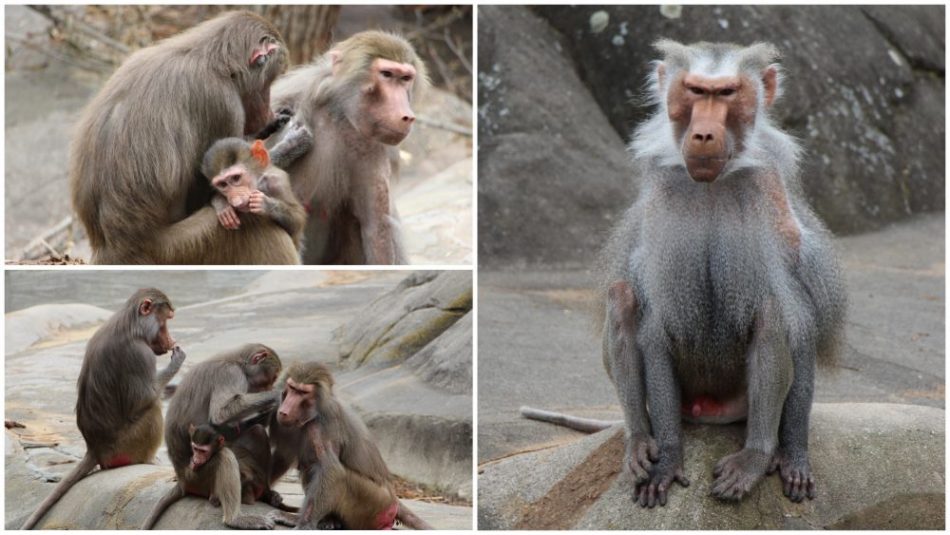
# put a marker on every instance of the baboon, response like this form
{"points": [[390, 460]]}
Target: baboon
{"points": [[222, 391], [251, 450], [341, 470], [245, 181], [358, 97], [135, 157], [720, 287], [119, 410]]}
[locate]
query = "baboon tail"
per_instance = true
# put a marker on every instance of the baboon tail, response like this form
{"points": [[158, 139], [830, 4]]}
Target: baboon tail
{"points": [[171, 497], [584, 425], [86, 465], [409, 519]]}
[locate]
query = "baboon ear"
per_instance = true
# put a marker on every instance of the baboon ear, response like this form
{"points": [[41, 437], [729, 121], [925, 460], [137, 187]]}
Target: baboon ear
{"points": [[145, 307], [770, 83], [335, 59], [191, 429], [259, 356], [259, 153], [220, 440]]}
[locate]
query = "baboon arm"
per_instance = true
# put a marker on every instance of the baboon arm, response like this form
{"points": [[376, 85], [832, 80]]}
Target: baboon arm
{"points": [[227, 485], [373, 212], [166, 375], [296, 141], [280, 463], [188, 240], [231, 404], [283, 206], [323, 491]]}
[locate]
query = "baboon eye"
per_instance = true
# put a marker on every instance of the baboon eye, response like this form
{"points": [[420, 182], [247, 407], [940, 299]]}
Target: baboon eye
{"points": [[233, 179], [727, 92], [387, 74], [697, 90]]}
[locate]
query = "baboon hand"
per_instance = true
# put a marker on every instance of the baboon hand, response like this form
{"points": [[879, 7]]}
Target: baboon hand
{"points": [[178, 356], [228, 217], [258, 203], [282, 518], [654, 490]]}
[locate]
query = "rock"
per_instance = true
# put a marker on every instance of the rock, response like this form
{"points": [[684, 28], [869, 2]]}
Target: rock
{"points": [[853, 448], [29, 326], [398, 324], [122, 498], [552, 173], [446, 362], [864, 91]]}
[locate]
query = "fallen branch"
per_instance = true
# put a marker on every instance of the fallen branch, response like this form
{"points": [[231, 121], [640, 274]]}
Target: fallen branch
{"points": [[39, 246]]}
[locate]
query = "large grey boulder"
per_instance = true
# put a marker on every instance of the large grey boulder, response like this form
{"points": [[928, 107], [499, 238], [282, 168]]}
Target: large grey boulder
{"points": [[122, 498], [877, 466], [864, 90], [404, 321], [407, 359], [552, 174]]}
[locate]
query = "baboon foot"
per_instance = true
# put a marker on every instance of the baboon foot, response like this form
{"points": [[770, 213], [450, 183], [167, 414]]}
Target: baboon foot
{"points": [[798, 482], [737, 473]]}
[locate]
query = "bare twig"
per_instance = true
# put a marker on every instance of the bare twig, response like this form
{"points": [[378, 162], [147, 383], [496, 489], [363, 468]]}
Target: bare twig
{"points": [[458, 51], [82, 27], [439, 23], [40, 245], [444, 71]]}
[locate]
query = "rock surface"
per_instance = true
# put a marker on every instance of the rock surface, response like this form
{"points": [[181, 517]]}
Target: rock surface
{"points": [[551, 172], [295, 313], [852, 448], [868, 109], [537, 347]]}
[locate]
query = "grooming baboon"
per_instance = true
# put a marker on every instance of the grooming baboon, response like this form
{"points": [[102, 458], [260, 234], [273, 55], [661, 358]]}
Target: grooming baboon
{"points": [[720, 289], [341, 470], [358, 97], [222, 391], [135, 157], [119, 411], [245, 181]]}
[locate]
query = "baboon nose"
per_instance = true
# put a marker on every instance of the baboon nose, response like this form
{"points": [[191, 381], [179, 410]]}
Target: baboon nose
{"points": [[408, 119], [702, 138]]}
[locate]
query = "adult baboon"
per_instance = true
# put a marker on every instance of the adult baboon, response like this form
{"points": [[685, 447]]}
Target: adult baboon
{"points": [[358, 97], [341, 470], [136, 153], [720, 288], [222, 391], [119, 409]]}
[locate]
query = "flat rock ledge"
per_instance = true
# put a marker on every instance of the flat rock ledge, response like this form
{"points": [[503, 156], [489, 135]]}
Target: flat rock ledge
{"points": [[877, 466]]}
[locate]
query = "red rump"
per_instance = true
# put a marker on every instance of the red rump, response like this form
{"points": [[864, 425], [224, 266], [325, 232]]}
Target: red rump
{"points": [[259, 152], [386, 518], [701, 406], [119, 460]]}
